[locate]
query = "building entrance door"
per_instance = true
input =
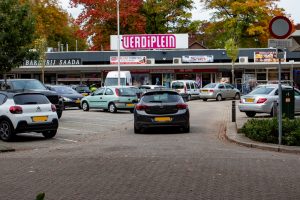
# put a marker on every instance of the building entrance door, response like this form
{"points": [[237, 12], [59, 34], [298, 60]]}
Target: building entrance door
{"points": [[206, 79], [156, 79]]}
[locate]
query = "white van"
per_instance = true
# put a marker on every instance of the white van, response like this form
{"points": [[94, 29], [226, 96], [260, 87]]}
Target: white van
{"points": [[112, 78], [186, 88]]}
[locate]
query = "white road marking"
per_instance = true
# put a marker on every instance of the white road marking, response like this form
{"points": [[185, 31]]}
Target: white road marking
{"points": [[67, 140], [71, 129]]}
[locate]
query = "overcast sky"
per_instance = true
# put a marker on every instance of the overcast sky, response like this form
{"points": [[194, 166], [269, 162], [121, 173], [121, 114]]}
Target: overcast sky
{"points": [[292, 7]]}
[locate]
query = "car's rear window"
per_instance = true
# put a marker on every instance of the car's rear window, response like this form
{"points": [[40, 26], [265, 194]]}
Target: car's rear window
{"points": [[161, 97], [26, 99], [177, 85], [262, 90], [127, 92], [210, 85], [27, 84]]}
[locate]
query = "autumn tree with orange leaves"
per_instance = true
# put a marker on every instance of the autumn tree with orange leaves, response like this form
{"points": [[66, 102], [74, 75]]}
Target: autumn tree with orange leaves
{"points": [[246, 21], [99, 20]]}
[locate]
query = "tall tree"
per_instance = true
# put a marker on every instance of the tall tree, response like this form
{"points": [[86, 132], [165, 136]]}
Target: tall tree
{"points": [[41, 48], [173, 16], [232, 51], [56, 25], [98, 20], [246, 21], [16, 33]]}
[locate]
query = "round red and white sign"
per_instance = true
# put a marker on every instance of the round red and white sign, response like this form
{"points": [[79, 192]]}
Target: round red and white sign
{"points": [[280, 27]]}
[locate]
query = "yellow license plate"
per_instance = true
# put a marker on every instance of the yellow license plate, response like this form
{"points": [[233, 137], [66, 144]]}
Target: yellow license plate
{"points": [[130, 104], [40, 118], [249, 100], [204, 91], [77, 101], [162, 119]]}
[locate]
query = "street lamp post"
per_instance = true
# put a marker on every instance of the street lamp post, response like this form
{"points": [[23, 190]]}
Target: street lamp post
{"points": [[118, 22]]}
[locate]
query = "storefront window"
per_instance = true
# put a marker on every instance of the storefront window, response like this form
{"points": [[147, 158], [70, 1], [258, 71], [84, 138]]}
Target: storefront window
{"points": [[140, 79]]}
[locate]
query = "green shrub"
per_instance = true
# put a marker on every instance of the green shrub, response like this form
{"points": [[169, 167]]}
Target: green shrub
{"points": [[266, 130]]}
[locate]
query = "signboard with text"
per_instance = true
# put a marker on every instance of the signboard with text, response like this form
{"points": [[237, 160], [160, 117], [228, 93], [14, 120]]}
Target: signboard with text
{"points": [[53, 62], [128, 60], [149, 41], [198, 59], [267, 56]]}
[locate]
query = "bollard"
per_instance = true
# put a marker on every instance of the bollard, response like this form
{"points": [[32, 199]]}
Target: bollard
{"points": [[233, 112], [275, 109]]}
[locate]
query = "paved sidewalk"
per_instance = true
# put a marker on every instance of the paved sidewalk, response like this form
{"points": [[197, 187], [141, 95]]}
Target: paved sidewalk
{"points": [[234, 127]]}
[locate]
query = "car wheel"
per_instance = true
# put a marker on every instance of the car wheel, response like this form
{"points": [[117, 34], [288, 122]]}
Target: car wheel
{"points": [[59, 114], [6, 130], [204, 99], [186, 129], [219, 97], [85, 106], [250, 114], [112, 108], [137, 130], [131, 110], [49, 134], [237, 96]]}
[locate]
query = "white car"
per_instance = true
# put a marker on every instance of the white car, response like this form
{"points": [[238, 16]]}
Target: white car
{"points": [[188, 89], [26, 112]]}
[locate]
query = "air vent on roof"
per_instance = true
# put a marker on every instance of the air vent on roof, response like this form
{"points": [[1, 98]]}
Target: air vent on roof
{"points": [[243, 59], [150, 61], [176, 60]]}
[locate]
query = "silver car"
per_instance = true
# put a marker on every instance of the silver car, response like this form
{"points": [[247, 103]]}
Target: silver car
{"points": [[262, 99], [219, 91]]}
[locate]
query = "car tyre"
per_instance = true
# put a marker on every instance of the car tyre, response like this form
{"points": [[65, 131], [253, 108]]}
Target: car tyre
{"points": [[250, 114], [59, 114], [85, 106], [204, 99], [186, 129], [131, 110], [112, 108], [136, 129], [6, 130], [237, 96], [219, 97], [49, 134]]}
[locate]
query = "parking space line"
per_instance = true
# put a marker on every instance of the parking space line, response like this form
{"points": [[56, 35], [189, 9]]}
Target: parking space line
{"points": [[78, 122], [66, 140], [70, 129]]}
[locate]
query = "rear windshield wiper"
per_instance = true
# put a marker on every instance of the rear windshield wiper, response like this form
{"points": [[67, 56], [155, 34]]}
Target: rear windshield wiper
{"points": [[155, 101], [31, 102]]}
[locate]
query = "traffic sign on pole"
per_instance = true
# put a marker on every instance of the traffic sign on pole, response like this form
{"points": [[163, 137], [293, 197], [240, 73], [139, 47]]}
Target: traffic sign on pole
{"points": [[280, 27]]}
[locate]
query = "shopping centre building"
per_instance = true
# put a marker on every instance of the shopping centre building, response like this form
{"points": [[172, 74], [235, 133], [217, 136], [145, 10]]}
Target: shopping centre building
{"points": [[163, 57]]}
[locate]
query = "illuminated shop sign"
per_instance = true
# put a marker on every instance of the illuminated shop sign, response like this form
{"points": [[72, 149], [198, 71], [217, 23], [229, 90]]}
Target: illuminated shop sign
{"points": [[53, 62], [198, 59], [150, 41], [267, 57], [128, 60]]}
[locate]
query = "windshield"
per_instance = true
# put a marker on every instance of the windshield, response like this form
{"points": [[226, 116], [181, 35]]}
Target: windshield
{"points": [[28, 85], [82, 89], [161, 97], [211, 85], [177, 85], [114, 81], [262, 90], [64, 90]]}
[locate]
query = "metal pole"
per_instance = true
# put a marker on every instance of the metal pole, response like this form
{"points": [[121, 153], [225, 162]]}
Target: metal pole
{"points": [[280, 103], [118, 22], [233, 112]]}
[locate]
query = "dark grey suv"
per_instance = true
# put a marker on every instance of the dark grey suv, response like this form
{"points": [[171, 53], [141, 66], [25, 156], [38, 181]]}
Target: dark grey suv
{"points": [[33, 85]]}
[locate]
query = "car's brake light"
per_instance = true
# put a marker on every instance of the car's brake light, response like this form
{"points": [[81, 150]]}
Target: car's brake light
{"points": [[53, 108], [16, 110], [182, 106], [140, 107], [211, 90], [117, 91], [261, 100]]}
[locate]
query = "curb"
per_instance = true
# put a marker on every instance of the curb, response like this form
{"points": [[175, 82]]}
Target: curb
{"points": [[239, 138], [4, 149]]}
